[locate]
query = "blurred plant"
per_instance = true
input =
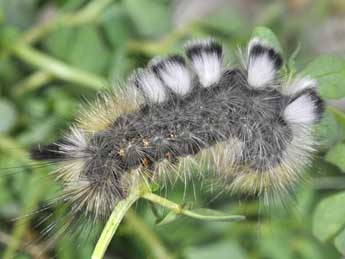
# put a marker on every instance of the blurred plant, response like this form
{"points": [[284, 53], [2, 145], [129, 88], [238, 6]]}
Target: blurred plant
{"points": [[82, 46]]}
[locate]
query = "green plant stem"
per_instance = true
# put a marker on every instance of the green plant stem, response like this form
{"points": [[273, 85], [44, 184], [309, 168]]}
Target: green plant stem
{"points": [[174, 207], [114, 221], [88, 14], [58, 68], [141, 190], [147, 236], [163, 45], [179, 210], [32, 82]]}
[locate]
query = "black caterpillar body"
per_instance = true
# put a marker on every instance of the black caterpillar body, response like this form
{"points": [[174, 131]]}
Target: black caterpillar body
{"points": [[250, 129]]}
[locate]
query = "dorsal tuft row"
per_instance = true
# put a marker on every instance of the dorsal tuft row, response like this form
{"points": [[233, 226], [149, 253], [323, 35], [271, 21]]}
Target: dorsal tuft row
{"points": [[172, 74]]}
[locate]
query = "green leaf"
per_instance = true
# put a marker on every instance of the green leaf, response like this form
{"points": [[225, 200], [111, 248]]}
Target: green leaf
{"points": [[154, 186], [223, 249], [328, 131], [308, 249], [62, 103], [8, 36], [212, 215], [38, 133], [116, 24], [5, 195], [339, 116], [120, 64], [336, 156], [69, 5], [291, 63], [271, 13], [8, 115], [330, 74], [329, 217], [151, 17], [275, 243], [88, 51], [268, 36], [225, 20], [82, 47], [35, 108], [59, 41], [339, 242]]}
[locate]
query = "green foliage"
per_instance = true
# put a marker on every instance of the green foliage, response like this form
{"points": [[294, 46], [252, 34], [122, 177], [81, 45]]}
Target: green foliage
{"points": [[7, 114], [268, 36], [86, 41], [100, 47], [329, 217], [225, 21], [336, 156], [328, 131], [329, 220], [330, 74], [224, 249], [339, 242], [150, 17]]}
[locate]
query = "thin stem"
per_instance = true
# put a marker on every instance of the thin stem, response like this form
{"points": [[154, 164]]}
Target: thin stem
{"points": [[58, 68], [147, 236], [161, 46], [114, 221], [174, 207], [38, 31], [88, 14], [179, 210], [32, 82]]}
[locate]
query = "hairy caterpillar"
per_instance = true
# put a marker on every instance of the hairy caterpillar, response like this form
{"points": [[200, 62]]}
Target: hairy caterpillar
{"points": [[249, 128]]}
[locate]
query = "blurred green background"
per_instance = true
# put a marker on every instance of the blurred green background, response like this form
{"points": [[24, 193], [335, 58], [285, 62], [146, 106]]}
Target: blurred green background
{"points": [[55, 53]]}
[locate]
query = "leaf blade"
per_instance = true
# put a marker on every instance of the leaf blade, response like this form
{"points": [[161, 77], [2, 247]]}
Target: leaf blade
{"points": [[330, 73], [329, 217]]}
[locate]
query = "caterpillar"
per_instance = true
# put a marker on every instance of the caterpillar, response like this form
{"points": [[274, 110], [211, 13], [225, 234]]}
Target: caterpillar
{"points": [[248, 127]]}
